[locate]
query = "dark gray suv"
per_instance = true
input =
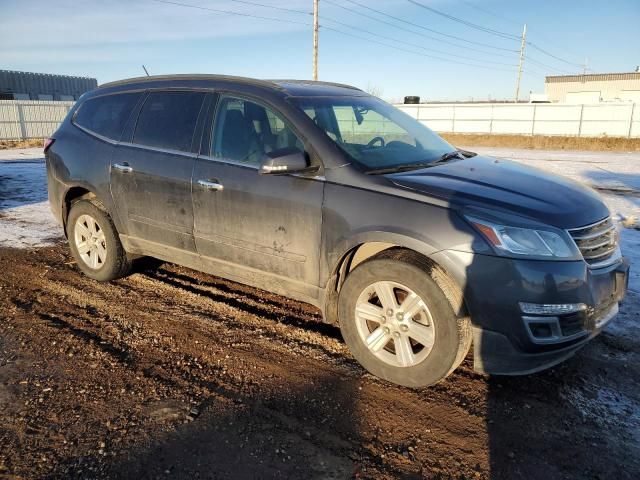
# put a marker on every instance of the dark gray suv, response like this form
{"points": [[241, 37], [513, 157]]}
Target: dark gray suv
{"points": [[327, 195]]}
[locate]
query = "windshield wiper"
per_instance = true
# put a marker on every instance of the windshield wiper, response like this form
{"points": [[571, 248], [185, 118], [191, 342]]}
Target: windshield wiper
{"points": [[398, 168], [459, 154]]}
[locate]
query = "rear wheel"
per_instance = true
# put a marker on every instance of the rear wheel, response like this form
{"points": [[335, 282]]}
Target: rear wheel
{"points": [[94, 242], [398, 321]]}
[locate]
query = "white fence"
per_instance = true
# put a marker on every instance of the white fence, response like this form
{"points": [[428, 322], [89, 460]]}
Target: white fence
{"points": [[24, 119], [597, 120]]}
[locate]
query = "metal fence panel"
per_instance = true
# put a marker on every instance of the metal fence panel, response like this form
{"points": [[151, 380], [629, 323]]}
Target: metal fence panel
{"points": [[25, 119], [597, 120], [9, 121], [634, 128]]}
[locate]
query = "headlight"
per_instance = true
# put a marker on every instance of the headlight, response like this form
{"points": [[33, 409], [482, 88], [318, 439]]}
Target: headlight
{"points": [[523, 241]]}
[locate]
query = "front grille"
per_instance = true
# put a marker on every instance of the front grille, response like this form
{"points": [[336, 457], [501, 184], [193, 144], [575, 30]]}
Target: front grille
{"points": [[597, 242]]}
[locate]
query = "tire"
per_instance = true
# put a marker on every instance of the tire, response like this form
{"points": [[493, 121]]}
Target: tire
{"points": [[105, 259], [435, 316]]}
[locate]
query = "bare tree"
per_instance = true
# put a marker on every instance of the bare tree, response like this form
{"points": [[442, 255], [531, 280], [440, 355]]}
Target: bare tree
{"points": [[374, 90]]}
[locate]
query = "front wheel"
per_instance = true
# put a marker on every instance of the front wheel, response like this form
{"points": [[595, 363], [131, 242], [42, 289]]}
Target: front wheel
{"points": [[399, 323], [94, 242]]}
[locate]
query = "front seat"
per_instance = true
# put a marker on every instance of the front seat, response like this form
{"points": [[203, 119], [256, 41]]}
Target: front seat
{"points": [[239, 139]]}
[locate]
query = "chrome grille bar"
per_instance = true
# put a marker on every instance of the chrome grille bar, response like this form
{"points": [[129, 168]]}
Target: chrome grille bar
{"points": [[598, 242]]}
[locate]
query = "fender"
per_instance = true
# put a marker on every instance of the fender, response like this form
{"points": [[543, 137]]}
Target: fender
{"points": [[337, 253], [105, 199]]}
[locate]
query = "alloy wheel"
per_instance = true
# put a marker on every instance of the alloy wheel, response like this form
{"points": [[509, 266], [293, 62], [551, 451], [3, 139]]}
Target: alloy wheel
{"points": [[90, 241], [395, 324]]}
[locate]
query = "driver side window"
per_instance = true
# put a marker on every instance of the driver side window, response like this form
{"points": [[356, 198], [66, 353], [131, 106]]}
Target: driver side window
{"points": [[244, 131]]}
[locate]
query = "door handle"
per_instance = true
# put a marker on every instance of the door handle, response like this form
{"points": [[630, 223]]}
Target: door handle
{"points": [[122, 167], [211, 185]]}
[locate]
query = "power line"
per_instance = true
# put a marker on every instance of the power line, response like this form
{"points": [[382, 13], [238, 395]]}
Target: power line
{"points": [[533, 73], [533, 45], [295, 22], [457, 45], [464, 22], [332, 29], [342, 32], [274, 7], [490, 30], [502, 17], [489, 12], [410, 44], [232, 12], [379, 12], [541, 64]]}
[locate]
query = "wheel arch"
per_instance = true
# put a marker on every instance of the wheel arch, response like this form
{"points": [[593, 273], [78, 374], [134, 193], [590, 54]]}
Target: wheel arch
{"points": [[364, 247], [81, 190], [71, 195]]}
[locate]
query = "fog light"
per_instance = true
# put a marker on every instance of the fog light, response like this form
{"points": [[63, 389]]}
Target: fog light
{"points": [[551, 309], [541, 330]]}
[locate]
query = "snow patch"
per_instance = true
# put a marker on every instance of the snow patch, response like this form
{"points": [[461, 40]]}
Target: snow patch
{"points": [[29, 226], [25, 218]]}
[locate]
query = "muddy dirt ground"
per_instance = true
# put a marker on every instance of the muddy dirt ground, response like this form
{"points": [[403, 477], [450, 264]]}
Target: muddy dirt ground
{"points": [[172, 373]]}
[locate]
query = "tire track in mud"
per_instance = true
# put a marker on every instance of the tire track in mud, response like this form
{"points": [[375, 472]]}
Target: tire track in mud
{"points": [[274, 358], [184, 380], [298, 322], [160, 371], [463, 431]]}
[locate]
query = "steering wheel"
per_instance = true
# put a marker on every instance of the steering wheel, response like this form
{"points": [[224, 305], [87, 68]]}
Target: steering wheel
{"points": [[373, 141]]}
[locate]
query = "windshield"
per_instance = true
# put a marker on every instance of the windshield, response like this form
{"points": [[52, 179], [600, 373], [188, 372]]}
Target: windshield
{"points": [[374, 133]]}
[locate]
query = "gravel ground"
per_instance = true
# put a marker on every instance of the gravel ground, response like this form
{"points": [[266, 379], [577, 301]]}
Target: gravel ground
{"points": [[171, 373]]}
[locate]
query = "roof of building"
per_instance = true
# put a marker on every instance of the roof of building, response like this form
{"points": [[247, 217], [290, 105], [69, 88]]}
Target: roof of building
{"points": [[36, 74], [593, 77], [292, 87]]}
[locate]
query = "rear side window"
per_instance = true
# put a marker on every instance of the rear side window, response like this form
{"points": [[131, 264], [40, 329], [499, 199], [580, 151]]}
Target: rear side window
{"points": [[168, 120], [107, 115]]}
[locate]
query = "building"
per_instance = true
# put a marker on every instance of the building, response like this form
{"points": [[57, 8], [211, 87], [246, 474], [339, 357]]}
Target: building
{"points": [[593, 88], [43, 86]]}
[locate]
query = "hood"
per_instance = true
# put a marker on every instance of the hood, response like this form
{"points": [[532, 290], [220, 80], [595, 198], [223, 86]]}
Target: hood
{"points": [[503, 185]]}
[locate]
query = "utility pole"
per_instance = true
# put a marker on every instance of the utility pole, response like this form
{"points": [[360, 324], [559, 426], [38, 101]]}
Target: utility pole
{"points": [[585, 65], [315, 39], [522, 45]]}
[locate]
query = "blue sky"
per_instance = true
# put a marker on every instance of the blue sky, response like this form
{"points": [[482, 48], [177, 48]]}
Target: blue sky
{"points": [[111, 39]]}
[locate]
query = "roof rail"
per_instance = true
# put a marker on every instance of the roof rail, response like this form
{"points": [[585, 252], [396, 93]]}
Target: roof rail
{"points": [[316, 82], [277, 84], [154, 78]]}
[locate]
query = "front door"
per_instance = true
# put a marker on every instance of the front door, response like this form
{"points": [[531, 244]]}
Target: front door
{"points": [[264, 230], [151, 173]]}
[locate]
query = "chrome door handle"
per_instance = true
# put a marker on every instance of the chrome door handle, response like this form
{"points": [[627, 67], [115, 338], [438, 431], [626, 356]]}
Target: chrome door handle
{"points": [[122, 167], [210, 185]]}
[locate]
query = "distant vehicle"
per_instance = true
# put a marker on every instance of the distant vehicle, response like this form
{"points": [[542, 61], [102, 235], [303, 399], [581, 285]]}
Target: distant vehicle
{"points": [[539, 98], [328, 195]]}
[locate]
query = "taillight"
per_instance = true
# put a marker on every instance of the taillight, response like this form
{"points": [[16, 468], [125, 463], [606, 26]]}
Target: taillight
{"points": [[47, 143]]}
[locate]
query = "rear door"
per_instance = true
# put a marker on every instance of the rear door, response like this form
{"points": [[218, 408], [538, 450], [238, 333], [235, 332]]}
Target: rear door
{"points": [[263, 229], [151, 172]]}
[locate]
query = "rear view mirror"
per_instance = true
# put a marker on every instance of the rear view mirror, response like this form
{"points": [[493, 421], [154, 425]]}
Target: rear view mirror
{"points": [[285, 160]]}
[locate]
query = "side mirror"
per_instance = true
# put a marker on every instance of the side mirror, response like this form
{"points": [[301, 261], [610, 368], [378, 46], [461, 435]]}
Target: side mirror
{"points": [[285, 160]]}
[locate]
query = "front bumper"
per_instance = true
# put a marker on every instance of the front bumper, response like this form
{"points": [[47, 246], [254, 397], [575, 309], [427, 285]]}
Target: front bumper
{"points": [[503, 339], [495, 354]]}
